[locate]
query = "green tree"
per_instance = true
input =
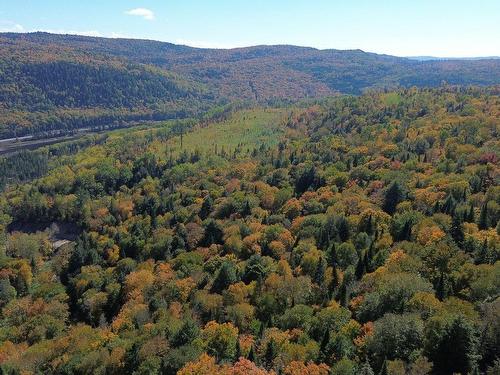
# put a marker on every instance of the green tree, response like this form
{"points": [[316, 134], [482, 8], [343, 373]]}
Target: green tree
{"points": [[393, 196], [457, 230], [451, 344], [226, 276], [396, 337]]}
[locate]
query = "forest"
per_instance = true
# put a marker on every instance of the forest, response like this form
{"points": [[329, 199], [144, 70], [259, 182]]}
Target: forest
{"points": [[53, 83], [341, 236]]}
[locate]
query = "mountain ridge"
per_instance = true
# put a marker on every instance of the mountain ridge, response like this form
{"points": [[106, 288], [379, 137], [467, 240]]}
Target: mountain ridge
{"points": [[87, 73]]}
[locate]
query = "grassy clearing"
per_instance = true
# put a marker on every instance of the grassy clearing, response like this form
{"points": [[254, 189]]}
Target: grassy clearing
{"points": [[392, 98], [246, 129]]}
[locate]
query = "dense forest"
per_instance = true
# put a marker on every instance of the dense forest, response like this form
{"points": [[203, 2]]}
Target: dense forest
{"points": [[353, 235], [60, 82]]}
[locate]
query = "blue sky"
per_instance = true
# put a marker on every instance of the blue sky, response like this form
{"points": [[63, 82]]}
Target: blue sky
{"points": [[455, 28]]}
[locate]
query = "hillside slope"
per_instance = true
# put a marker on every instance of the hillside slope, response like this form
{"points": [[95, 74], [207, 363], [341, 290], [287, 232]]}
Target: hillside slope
{"points": [[346, 238], [48, 81]]}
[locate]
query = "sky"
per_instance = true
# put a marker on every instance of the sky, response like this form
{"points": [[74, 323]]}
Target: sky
{"points": [[442, 28]]}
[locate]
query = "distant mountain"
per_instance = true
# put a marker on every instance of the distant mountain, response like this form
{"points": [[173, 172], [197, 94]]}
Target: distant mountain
{"points": [[51, 82], [430, 58]]}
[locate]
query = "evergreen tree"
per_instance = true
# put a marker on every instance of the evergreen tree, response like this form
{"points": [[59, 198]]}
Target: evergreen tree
{"points": [[483, 217], [343, 229], [360, 268], [383, 369], [370, 226], [393, 196], [323, 355], [225, 277], [449, 205], [334, 283], [405, 234], [457, 230], [332, 255], [483, 253], [206, 207], [319, 275], [366, 369], [251, 354], [456, 350], [367, 260], [237, 353], [271, 352], [213, 233], [247, 210], [441, 288], [471, 216]]}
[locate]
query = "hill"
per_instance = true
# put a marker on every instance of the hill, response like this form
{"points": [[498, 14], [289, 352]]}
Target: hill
{"points": [[52, 82], [358, 235]]}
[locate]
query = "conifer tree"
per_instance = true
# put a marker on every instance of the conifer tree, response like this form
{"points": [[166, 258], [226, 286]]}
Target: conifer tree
{"points": [[393, 196]]}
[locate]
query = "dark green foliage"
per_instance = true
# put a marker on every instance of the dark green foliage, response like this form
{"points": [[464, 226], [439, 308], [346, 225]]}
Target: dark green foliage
{"points": [[271, 352], [186, 334], [457, 230], [396, 337], [206, 207], [452, 346], [226, 276], [213, 233], [393, 196]]}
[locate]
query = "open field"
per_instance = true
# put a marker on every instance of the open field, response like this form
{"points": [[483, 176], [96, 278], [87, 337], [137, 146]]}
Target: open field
{"points": [[246, 129]]}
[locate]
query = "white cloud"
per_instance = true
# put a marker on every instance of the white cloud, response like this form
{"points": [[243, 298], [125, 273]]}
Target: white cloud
{"points": [[147, 14], [10, 27]]}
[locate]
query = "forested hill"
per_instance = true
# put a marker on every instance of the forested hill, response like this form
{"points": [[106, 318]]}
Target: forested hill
{"points": [[52, 81], [360, 236]]}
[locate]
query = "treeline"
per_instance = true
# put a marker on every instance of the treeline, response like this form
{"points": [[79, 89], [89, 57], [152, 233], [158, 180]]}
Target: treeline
{"points": [[65, 95], [29, 165], [49, 78]]}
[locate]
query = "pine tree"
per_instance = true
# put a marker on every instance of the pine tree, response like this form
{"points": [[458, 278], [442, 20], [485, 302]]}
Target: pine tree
{"points": [[367, 261], [206, 207], [449, 205], [334, 283], [343, 229], [457, 230], [457, 349], [247, 210], [271, 352], [251, 354], [471, 216], [262, 328], [343, 294], [332, 255], [366, 369], [323, 355], [319, 275], [483, 254], [393, 196], [360, 268], [225, 277], [406, 231], [237, 353], [368, 226], [483, 217], [441, 288], [437, 207], [383, 369]]}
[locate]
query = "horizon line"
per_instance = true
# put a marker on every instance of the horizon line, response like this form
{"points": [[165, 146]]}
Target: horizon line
{"points": [[419, 57]]}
